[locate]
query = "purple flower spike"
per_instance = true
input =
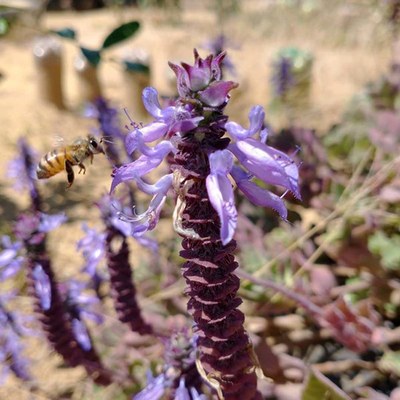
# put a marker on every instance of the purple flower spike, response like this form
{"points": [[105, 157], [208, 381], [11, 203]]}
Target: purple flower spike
{"points": [[220, 192], [205, 214]]}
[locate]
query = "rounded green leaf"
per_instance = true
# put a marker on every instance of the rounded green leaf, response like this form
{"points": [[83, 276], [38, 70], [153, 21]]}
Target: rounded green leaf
{"points": [[66, 33], [121, 33], [93, 56], [136, 67]]}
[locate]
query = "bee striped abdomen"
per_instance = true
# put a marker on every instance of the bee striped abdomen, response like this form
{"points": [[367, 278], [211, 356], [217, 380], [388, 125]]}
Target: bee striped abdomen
{"points": [[51, 164]]}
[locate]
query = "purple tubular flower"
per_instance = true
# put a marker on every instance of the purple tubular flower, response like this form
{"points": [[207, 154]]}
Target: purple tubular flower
{"points": [[42, 286], [205, 214], [257, 195], [11, 357], [50, 222], [154, 390], [10, 260], [92, 248], [182, 393], [266, 163], [142, 166], [220, 192]]}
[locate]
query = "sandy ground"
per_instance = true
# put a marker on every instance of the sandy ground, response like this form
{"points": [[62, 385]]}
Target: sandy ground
{"points": [[349, 43]]}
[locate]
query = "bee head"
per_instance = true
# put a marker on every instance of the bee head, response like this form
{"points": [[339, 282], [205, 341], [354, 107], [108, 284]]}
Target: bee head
{"points": [[95, 146]]}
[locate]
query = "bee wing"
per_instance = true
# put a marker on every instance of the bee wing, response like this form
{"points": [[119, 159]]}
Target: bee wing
{"points": [[106, 139], [58, 141]]}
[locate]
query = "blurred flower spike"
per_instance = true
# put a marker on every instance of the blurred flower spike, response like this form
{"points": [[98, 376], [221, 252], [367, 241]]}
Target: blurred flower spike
{"points": [[200, 88], [179, 379]]}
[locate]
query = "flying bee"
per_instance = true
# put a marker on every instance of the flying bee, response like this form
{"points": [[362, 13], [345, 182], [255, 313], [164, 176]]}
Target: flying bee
{"points": [[65, 157]]}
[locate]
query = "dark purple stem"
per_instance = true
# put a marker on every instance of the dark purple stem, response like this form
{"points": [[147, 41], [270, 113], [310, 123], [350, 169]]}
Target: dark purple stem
{"points": [[225, 348], [123, 290]]}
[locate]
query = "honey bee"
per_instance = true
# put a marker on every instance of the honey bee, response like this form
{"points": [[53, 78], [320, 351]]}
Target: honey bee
{"points": [[65, 157]]}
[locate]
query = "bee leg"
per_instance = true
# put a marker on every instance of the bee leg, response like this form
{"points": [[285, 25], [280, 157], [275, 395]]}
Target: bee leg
{"points": [[82, 168], [70, 173], [91, 159]]}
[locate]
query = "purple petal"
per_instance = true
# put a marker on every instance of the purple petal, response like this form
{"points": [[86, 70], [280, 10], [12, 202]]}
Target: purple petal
{"points": [[161, 186], [147, 242], [199, 78], [92, 248], [81, 334], [42, 286], [13, 352], [134, 170], [216, 64], [216, 93], [50, 222], [11, 268], [256, 118], [221, 162], [185, 125], [181, 393], [151, 103], [7, 256], [122, 226], [148, 220], [135, 140], [153, 131], [182, 79], [220, 193], [154, 390], [270, 165], [257, 195]]}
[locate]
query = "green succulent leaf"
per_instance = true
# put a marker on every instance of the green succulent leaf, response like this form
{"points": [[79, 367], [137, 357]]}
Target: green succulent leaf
{"points": [[321, 388], [136, 67], [123, 32], [391, 362], [66, 33], [387, 248], [93, 56]]}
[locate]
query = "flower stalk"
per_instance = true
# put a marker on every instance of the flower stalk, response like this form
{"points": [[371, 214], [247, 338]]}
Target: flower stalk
{"points": [[194, 130]]}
